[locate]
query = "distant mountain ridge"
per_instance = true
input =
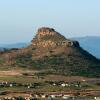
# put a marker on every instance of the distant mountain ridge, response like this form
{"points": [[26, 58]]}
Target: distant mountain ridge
{"points": [[15, 45], [91, 44]]}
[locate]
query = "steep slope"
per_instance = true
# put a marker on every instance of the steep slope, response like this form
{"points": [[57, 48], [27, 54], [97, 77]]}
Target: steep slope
{"points": [[51, 51], [90, 43]]}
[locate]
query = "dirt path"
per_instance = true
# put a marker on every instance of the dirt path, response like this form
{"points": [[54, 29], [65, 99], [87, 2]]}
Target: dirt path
{"points": [[15, 73]]}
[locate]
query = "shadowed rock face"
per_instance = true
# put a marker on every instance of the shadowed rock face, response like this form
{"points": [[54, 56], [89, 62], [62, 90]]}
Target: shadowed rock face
{"points": [[51, 51]]}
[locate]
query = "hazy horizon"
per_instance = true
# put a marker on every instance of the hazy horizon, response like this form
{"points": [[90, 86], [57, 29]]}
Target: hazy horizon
{"points": [[20, 19]]}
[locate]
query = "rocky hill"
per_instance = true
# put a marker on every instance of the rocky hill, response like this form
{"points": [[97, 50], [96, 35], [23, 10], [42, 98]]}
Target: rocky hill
{"points": [[51, 51]]}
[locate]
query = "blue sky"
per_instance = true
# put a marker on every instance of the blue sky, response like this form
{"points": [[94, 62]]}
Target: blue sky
{"points": [[19, 19]]}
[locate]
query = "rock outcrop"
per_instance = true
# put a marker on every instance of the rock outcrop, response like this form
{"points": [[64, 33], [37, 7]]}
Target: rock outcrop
{"points": [[50, 50], [48, 37]]}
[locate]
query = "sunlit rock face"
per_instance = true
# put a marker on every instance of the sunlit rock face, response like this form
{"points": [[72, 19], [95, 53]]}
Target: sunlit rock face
{"points": [[48, 37], [45, 31]]}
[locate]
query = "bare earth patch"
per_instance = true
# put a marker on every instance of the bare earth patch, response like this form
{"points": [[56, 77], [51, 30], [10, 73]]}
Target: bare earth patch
{"points": [[15, 72]]}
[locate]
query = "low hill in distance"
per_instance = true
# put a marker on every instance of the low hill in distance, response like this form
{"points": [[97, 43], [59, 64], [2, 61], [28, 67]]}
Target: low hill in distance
{"points": [[51, 51], [15, 45]]}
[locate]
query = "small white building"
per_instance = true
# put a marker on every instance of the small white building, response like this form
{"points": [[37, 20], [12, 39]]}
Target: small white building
{"points": [[67, 84], [63, 84], [83, 80], [65, 96], [43, 96], [53, 96], [96, 98], [28, 87], [11, 85], [54, 84]]}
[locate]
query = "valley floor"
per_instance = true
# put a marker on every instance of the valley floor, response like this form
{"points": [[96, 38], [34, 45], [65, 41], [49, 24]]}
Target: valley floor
{"points": [[28, 83]]}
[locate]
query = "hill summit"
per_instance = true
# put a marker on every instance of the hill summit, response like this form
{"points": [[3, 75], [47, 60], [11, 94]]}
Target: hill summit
{"points": [[51, 51], [48, 37]]}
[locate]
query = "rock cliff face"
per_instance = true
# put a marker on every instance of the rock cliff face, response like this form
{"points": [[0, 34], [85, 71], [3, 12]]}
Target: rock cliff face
{"points": [[45, 31], [48, 37], [51, 51]]}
